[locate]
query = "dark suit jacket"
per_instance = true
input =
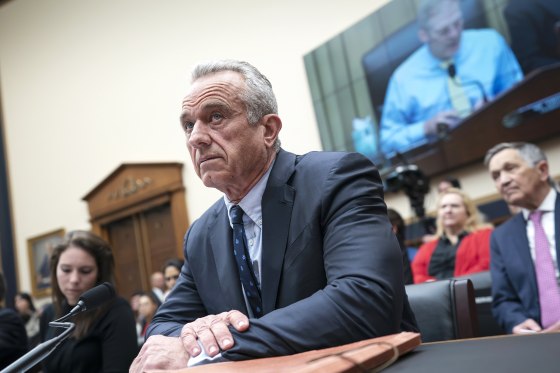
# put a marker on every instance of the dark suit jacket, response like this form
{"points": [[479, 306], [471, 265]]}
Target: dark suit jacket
{"points": [[514, 283], [331, 266], [13, 338]]}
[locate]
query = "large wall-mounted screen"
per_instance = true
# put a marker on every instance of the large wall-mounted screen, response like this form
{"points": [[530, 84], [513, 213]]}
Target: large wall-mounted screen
{"points": [[428, 84]]}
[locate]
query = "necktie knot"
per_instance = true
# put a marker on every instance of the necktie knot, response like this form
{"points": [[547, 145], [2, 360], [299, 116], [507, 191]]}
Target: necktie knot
{"points": [[445, 64], [236, 214], [536, 216]]}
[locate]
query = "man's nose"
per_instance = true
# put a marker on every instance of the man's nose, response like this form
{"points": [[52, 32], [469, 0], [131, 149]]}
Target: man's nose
{"points": [[199, 135], [503, 179], [455, 31]]}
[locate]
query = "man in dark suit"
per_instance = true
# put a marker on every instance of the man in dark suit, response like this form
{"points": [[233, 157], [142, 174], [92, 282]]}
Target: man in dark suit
{"points": [[524, 261], [320, 246]]}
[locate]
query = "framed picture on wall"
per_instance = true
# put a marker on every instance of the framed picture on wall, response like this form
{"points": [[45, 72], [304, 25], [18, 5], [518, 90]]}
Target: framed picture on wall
{"points": [[39, 251]]}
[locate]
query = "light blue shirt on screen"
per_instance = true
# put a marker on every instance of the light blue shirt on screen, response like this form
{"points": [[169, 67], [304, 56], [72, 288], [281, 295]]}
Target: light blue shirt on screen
{"points": [[418, 88]]}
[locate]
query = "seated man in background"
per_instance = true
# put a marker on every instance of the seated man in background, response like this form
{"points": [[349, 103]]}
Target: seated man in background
{"points": [[297, 255], [158, 285], [443, 81], [461, 245], [525, 249], [448, 182]]}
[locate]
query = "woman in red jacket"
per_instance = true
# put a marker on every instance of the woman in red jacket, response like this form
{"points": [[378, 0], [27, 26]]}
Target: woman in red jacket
{"points": [[462, 245]]}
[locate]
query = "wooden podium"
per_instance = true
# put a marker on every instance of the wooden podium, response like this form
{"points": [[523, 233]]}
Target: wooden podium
{"points": [[354, 357], [484, 128]]}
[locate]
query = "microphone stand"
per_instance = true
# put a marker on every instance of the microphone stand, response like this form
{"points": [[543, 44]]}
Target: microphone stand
{"points": [[42, 350], [92, 298]]}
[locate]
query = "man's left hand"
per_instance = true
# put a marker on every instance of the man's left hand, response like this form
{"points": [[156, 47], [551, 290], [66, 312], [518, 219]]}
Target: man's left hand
{"points": [[212, 332]]}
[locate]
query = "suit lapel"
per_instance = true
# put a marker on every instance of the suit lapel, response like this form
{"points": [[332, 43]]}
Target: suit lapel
{"points": [[221, 243], [522, 252], [277, 204]]}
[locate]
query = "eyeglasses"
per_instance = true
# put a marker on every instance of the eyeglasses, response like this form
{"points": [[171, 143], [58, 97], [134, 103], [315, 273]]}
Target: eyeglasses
{"points": [[175, 277]]}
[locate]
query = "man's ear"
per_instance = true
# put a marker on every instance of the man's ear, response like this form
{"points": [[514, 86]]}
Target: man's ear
{"points": [[542, 168], [272, 125]]}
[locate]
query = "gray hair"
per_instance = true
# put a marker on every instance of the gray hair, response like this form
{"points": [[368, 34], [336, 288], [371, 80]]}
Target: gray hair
{"points": [[530, 153], [427, 9], [258, 96]]}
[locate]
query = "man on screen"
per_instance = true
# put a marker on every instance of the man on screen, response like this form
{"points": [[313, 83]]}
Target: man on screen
{"points": [[321, 266], [445, 79]]}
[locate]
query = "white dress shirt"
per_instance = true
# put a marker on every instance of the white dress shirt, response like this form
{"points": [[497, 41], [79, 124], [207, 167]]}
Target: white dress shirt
{"points": [[252, 223]]}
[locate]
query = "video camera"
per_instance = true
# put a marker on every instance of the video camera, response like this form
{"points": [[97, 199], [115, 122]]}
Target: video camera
{"points": [[410, 179]]}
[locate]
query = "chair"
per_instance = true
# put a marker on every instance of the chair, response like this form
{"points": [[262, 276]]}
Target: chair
{"points": [[444, 310], [482, 283]]}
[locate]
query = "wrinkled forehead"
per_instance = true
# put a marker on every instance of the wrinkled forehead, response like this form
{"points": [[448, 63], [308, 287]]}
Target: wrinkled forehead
{"points": [[222, 86], [506, 157], [445, 15]]}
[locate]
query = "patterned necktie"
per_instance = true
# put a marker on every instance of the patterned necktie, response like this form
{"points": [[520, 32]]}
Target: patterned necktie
{"points": [[549, 294], [246, 274], [457, 95]]}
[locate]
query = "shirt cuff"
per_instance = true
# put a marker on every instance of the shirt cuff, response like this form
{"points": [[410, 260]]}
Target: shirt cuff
{"points": [[203, 358]]}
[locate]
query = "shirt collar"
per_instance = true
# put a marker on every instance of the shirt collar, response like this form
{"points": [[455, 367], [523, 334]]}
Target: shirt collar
{"points": [[547, 204], [251, 203], [461, 235]]}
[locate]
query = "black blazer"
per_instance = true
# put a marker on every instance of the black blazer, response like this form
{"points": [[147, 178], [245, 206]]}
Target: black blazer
{"points": [[109, 346], [331, 266], [13, 338]]}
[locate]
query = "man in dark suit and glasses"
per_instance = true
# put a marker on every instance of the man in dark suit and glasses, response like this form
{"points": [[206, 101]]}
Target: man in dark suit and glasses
{"points": [[325, 267]]}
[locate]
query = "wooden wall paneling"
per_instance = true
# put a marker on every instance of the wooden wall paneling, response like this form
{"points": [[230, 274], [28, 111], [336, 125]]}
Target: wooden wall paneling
{"points": [[159, 236], [140, 208], [130, 266]]}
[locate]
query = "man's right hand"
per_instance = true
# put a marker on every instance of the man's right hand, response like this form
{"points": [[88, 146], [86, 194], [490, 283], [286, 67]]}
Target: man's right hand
{"points": [[449, 118], [527, 326], [160, 352], [212, 332]]}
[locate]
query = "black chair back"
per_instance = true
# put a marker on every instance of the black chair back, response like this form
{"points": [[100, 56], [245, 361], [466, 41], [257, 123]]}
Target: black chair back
{"points": [[445, 310], [482, 283]]}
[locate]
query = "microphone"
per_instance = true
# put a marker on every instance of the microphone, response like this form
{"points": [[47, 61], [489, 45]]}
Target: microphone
{"points": [[91, 299], [452, 72], [534, 109], [442, 131]]}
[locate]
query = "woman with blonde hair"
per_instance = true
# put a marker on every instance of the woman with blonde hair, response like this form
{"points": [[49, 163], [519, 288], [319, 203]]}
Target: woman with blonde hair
{"points": [[462, 243]]}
